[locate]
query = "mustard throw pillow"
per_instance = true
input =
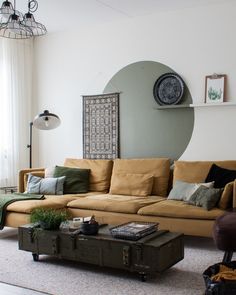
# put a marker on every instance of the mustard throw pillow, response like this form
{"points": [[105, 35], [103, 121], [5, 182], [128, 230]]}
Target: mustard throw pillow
{"points": [[226, 197], [131, 184]]}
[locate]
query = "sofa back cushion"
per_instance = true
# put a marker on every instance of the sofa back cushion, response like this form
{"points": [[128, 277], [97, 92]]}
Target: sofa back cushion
{"points": [[197, 171], [100, 172], [159, 168]]}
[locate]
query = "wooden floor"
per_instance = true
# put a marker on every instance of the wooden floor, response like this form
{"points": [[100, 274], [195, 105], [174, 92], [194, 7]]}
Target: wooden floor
{"points": [[6, 289]]}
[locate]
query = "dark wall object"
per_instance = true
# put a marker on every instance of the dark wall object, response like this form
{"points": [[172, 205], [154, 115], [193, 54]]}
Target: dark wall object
{"points": [[168, 89]]}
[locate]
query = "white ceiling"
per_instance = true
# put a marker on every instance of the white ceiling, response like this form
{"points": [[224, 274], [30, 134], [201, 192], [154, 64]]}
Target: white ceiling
{"points": [[59, 15]]}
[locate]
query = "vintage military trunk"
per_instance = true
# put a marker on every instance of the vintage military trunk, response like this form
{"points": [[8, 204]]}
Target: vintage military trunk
{"points": [[153, 253]]}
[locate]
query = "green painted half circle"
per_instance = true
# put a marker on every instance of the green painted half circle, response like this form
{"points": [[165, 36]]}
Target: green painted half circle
{"points": [[146, 131]]}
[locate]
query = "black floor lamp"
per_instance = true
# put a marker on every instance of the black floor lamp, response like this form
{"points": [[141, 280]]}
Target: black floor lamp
{"points": [[43, 121]]}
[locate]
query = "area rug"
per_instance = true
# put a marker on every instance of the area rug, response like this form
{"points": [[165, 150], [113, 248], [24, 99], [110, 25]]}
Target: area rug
{"points": [[58, 277]]}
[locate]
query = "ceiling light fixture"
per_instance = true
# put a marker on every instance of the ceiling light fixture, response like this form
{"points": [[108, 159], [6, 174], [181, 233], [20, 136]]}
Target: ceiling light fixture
{"points": [[14, 25]]}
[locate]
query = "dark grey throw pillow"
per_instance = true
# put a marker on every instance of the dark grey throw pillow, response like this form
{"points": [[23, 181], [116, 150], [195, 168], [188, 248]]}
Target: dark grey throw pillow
{"points": [[77, 180], [205, 197]]}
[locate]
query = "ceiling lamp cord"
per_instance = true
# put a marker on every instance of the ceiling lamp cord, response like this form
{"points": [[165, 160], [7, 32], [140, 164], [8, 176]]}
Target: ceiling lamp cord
{"points": [[14, 25]]}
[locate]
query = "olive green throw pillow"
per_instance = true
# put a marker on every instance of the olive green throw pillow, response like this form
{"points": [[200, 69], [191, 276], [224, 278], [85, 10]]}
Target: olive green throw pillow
{"points": [[205, 197], [77, 180]]}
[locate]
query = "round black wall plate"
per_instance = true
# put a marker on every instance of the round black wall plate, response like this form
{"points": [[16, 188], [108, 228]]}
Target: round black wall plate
{"points": [[168, 89]]}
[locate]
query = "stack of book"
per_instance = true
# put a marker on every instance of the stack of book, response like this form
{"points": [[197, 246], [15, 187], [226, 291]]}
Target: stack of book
{"points": [[133, 230]]}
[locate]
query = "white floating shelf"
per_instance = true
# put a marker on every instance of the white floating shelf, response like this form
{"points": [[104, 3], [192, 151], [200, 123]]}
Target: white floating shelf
{"points": [[195, 105], [216, 104], [173, 106]]}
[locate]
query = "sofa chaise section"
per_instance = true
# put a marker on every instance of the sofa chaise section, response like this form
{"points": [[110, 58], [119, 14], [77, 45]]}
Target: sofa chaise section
{"points": [[18, 213]]}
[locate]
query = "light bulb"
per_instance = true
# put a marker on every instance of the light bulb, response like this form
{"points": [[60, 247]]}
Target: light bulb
{"points": [[46, 122]]}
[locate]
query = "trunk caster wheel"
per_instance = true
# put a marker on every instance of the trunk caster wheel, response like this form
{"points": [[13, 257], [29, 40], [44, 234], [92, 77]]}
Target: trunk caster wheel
{"points": [[35, 257], [143, 276]]}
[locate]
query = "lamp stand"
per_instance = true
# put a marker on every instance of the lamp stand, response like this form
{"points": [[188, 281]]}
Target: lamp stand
{"points": [[30, 144]]}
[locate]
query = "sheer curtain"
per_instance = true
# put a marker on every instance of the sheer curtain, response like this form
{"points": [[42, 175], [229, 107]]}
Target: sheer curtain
{"points": [[16, 58]]}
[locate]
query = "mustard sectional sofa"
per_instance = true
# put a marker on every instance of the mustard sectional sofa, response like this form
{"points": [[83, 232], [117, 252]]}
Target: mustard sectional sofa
{"points": [[123, 190]]}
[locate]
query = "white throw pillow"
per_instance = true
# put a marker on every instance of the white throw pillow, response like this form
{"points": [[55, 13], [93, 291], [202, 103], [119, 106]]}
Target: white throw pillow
{"points": [[47, 186]]}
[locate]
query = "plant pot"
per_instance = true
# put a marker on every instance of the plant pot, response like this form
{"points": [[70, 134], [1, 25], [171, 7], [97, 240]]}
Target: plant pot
{"points": [[49, 226], [89, 228]]}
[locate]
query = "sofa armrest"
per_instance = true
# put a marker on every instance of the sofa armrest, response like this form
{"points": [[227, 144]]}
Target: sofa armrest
{"points": [[21, 177], [234, 194]]}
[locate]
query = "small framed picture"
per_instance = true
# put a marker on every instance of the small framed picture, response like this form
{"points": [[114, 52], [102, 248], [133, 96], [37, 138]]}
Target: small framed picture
{"points": [[215, 88]]}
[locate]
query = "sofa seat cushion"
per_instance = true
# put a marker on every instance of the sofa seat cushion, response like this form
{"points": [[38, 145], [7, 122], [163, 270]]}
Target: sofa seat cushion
{"points": [[114, 203], [179, 209], [100, 172], [54, 202], [50, 201], [158, 167]]}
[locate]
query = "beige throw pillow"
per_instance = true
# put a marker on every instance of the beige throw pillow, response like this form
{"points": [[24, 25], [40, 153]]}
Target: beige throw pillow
{"points": [[134, 184], [49, 172]]}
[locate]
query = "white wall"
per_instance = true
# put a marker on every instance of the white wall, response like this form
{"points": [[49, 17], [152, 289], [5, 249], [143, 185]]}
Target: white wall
{"points": [[194, 42]]}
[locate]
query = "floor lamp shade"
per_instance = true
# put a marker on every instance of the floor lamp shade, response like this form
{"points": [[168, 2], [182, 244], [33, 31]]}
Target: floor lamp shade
{"points": [[43, 121], [46, 121]]}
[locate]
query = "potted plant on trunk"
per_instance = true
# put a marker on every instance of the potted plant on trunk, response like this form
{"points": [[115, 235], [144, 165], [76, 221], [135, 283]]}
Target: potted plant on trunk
{"points": [[49, 219]]}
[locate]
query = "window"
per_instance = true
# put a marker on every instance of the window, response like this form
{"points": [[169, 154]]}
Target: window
{"points": [[15, 95]]}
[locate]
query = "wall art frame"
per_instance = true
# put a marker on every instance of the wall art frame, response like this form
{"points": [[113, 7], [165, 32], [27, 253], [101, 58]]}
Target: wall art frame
{"points": [[101, 126], [215, 86]]}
